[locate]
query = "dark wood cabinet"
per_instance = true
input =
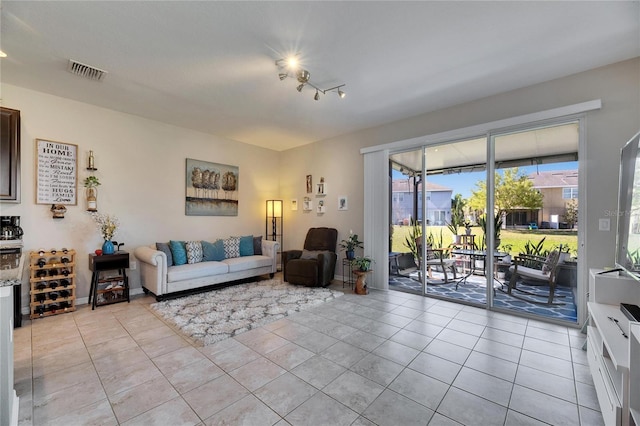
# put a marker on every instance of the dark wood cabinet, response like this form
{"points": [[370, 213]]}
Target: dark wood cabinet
{"points": [[9, 155], [112, 286]]}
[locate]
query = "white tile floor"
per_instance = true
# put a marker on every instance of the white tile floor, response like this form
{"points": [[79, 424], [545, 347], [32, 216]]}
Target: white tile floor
{"points": [[388, 358]]}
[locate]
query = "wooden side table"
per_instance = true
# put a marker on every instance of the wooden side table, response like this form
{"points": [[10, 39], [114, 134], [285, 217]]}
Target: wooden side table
{"points": [[109, 289], [361, 285]]}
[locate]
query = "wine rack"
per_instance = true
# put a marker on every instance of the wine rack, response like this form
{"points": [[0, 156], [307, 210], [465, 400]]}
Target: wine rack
{"points": [[53, 282]]}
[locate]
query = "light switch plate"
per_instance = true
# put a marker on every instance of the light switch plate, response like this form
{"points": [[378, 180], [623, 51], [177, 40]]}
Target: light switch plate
{"points": [[604, 224]]}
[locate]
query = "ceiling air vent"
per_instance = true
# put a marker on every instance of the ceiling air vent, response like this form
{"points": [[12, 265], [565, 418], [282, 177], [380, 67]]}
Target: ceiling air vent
{"points": [[86, 71]]}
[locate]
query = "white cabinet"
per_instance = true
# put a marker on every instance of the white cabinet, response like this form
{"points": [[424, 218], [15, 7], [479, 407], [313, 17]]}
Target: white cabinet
{"points": [[8, 398], [634, 373], [609, 344]]}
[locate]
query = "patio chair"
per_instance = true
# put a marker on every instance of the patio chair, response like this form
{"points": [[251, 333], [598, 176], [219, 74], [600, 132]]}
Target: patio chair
{"points": [[437, 258], [536, 268]]}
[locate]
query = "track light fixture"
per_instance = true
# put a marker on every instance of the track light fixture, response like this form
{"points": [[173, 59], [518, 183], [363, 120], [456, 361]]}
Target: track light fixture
{"points": [[290, 68]]}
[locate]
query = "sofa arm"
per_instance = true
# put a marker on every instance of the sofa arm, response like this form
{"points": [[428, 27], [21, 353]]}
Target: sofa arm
{"points": [[153, 269], [270, 248]]}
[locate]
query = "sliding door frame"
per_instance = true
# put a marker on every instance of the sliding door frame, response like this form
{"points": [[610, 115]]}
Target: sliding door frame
{"points": [[379, 156]]}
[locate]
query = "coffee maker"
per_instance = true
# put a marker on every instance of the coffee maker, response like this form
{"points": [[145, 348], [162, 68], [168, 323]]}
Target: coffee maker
{"points": [[10, 228]]}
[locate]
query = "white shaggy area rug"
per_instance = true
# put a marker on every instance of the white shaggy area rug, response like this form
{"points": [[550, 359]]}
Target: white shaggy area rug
{"points": [[216, 315]]}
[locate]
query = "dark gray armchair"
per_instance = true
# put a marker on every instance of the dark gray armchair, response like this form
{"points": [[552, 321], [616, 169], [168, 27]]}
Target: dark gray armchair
{"points": [[316, 263]]}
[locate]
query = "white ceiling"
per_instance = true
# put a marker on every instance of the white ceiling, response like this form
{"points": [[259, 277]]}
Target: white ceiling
{"points": [[210, 65]]}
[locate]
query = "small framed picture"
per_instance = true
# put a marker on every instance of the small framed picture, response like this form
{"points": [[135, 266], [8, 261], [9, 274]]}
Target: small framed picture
{"points": [[294, 204], [309, 184], [343, 203]]}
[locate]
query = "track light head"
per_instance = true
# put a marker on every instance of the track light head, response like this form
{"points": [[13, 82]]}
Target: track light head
{"points": [[341, 94], [317, 95], [282, 76], [299, 88], [303, 76]]}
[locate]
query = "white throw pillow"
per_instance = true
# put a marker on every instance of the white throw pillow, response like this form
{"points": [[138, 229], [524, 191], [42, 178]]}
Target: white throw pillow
{"points": [[194, 251]]}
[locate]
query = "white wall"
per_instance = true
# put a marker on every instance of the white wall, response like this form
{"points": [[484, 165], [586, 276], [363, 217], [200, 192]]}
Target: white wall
{"points": [[141, 165], [617, 85]]}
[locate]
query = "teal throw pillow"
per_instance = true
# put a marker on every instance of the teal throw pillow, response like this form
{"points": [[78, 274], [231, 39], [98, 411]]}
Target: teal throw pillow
{"points": [[212, 251], [246, 245], [179, 252]]}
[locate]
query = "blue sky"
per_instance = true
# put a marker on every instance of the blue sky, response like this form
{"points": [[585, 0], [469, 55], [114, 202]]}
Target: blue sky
{"points": [[463, 183]]}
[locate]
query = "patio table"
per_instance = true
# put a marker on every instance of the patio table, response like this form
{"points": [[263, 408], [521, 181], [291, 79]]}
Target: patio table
{"points": [[478, 255]]}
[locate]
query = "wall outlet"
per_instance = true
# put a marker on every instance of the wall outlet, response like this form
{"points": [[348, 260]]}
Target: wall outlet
{"points": [[133, 265], [604, 224]]}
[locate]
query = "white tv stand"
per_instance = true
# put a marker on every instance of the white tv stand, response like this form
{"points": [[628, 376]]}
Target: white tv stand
{"points": [[614, 360]]}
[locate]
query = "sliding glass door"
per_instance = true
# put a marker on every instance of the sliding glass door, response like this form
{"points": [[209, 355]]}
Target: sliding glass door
{"points": [[477, 220]]}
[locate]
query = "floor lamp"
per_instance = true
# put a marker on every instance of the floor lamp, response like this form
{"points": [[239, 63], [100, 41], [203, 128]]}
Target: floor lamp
{"points": [[273, 225]]}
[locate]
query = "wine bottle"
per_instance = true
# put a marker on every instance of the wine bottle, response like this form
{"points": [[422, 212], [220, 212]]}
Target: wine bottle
{"points": [[65, 272], [41, 262], [64, 282], [41, 285], [40, 310], [65, 259], [64, 293], [41, 273], [53, 272], [53, 295], [41, 297], [53, 284]]}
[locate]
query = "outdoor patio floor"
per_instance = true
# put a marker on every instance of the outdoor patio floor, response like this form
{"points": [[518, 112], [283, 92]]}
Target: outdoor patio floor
{"points": [[474, 291]]}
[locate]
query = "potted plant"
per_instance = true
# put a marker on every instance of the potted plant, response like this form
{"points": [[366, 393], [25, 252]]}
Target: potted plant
{"points": [[350, 244], [91, 183], [362, 263], [467, 227], [497, 227]]}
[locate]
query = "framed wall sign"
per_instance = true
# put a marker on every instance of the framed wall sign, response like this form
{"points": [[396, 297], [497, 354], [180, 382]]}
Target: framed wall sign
{"points": [[56, 172]]}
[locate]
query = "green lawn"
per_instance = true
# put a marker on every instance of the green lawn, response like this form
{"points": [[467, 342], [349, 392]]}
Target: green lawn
{"points": [[517, 238]]}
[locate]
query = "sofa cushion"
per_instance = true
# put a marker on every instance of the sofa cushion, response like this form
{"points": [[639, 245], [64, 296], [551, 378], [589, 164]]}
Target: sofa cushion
{"points": [[257, 245], [196, 270], [212, 251], [231, 247], [194, 251], [247, 262], [246, 245], [164, 247], [179, 252]]}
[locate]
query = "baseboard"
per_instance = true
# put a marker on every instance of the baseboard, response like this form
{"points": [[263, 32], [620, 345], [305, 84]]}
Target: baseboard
{"points": [[82, 301]]}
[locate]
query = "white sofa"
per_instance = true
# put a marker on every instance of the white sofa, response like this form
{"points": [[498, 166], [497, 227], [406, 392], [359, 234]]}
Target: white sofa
{"points": [[161, 280]]}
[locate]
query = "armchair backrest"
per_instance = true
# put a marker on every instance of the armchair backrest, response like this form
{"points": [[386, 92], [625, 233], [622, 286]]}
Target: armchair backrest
{"points": [[321, 239]]}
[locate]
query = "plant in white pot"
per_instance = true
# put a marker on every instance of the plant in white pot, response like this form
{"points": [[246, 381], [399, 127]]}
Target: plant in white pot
{"points": [[91, 183]]}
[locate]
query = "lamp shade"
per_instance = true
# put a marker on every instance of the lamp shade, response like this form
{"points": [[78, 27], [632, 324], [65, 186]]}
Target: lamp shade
{"points": [[274, 208]]}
